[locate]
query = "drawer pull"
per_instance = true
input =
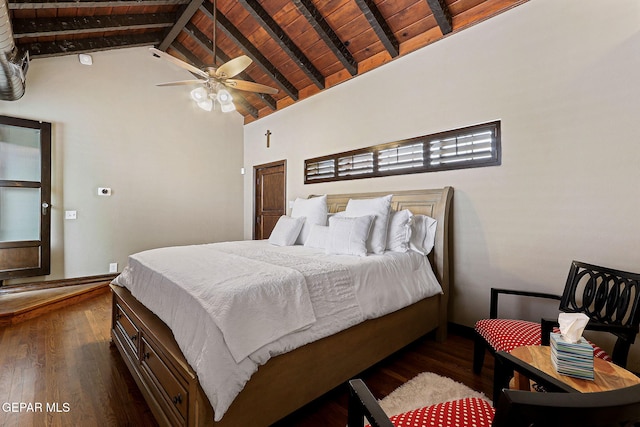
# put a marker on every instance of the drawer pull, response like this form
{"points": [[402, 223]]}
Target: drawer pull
{"points": [[177, 399], [134, 337], [118, 316], [146, 356]]}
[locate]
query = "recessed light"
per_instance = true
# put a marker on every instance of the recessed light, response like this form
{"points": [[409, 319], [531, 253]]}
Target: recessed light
{"points": [[85, 59]]}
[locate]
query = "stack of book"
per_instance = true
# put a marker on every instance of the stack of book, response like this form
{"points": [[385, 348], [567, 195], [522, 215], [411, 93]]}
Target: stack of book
{"points": [[572, 359]]}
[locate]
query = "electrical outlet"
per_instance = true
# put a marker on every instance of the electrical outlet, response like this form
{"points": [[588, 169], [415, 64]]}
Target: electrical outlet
{"points": [[104, 191], [70, 214], [113, 267]]}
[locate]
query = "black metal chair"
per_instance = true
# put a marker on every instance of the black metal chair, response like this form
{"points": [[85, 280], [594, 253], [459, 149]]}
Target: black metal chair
{"points": [[515, 409], [611, 299]]}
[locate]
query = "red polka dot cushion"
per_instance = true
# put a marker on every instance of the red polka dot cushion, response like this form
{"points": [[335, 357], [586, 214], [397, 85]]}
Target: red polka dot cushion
{"points": [[507, 334], [469, 412]]}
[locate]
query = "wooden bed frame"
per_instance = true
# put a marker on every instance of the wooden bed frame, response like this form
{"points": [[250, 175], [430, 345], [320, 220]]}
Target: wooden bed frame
{"points": [[291, 380]]}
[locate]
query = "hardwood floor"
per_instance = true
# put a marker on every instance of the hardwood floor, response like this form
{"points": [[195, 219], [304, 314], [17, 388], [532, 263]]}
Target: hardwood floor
{"points": [[64, 359]]}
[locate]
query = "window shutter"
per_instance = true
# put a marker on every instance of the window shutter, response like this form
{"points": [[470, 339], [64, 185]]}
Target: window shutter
{"points": [[470, 147], [358, 164], [324, 169], [401, 157]]}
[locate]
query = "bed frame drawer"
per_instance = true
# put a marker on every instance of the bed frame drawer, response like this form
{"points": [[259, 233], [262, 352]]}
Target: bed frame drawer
{"points": [[164, 377], [128, 330], [168, 386]]}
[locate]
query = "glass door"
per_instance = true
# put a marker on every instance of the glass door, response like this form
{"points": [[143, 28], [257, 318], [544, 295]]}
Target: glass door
{"points": [[25, 191]]}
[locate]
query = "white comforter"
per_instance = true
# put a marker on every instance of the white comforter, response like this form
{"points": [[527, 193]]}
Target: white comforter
{"points": [[234, 305]]}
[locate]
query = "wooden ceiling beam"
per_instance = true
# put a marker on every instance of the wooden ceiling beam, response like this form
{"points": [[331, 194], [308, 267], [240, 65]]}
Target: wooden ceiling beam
{"points": [[185, 17], [283, 40], [380, 26], [44, 4], [251, 51], [205, 43], [67, 47], [326, 33], [237, 96], [442, 14], [43, 27]]}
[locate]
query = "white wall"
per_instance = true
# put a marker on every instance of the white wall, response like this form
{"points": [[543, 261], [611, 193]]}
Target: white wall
{"points": [[562, 76], [174, 169]]}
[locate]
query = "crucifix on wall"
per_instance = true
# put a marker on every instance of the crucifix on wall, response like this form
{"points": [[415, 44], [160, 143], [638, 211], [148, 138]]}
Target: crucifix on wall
{"points": [[268, 135]]}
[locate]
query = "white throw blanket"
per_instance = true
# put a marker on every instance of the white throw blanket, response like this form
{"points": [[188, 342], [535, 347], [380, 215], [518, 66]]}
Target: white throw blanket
{"points": [[176, 283], [229, 287]]}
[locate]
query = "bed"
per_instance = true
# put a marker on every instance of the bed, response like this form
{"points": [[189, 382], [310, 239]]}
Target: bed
{"points": [[289, 380]]}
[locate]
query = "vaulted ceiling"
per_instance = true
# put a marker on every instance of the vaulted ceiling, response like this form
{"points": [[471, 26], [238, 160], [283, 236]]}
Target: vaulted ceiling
{"points": [[300, 47]]}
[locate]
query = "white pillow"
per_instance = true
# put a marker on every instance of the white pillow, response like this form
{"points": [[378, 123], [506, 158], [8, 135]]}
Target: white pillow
{"points": [[336, 214], [423, 234], [286, 231], [399, 233], [348, 236], [314, 209], [318, 237], [379, 208]]}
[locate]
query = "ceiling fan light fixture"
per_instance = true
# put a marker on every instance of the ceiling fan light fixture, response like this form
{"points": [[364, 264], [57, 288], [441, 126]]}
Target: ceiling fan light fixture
{"points": [[200, 95], [224, 97], [226, 101], [227, 108], [206, 105]]}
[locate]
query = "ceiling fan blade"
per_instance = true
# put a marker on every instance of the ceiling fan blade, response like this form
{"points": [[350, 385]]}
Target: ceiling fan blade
{"points": [[181, 83], [179, 63], [233, 67], [250, 86]]}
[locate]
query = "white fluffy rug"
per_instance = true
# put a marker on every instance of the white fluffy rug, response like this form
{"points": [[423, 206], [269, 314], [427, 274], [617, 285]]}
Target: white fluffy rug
{"points": [[424, 390]]}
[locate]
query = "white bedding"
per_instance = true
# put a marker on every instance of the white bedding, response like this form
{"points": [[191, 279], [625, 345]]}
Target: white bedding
{"points": [[331, 293]]}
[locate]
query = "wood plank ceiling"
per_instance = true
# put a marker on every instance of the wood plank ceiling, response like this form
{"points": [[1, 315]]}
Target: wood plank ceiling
{"points": [[300, 47]]}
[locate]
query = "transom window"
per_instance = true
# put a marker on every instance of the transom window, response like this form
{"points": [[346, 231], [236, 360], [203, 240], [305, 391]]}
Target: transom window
{"points": [[473, 146]]}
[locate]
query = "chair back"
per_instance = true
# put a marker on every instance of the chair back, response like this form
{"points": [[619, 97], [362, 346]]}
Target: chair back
{"points": [[620, 408], [607, 296]]}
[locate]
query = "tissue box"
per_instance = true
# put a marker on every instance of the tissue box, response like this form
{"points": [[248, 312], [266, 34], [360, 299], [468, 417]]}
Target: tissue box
{"points": [[572, 359]]}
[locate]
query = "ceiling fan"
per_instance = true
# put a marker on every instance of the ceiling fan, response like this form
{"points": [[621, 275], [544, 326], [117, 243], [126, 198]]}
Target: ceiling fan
{"points": [[214, 80]]}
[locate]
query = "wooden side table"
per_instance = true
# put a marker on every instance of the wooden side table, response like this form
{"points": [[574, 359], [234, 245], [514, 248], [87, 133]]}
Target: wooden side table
{"points": [[534, 362]]}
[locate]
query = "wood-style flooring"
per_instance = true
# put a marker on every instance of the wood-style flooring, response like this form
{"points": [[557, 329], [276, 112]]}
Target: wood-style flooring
{"points": [[64, 359]]}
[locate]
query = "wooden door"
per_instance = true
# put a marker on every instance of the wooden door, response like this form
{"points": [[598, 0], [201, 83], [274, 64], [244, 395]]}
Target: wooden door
{"points": [[25, 195], [270, 197]]}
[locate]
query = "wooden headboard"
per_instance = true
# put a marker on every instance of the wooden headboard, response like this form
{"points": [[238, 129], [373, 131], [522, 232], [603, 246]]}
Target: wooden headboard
{"points": [[435, 203]]}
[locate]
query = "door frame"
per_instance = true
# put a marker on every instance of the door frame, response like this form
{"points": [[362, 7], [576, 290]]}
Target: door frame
{"points": [[256, 168]]}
